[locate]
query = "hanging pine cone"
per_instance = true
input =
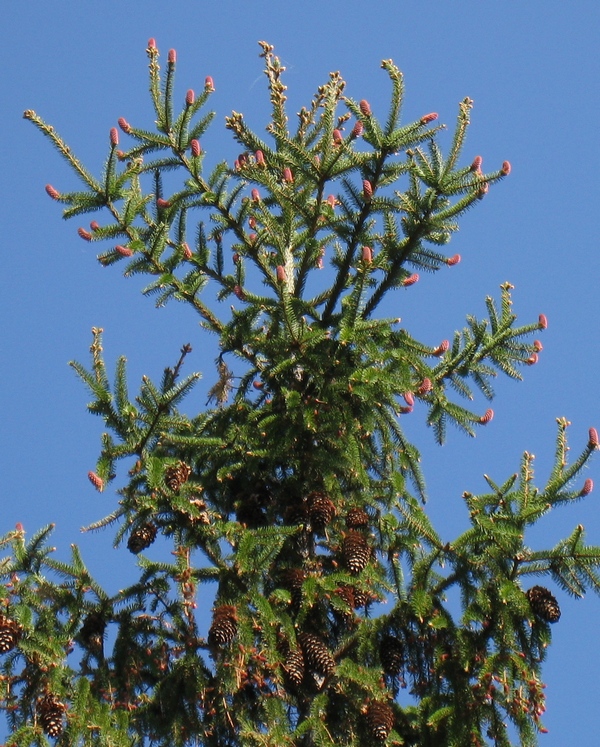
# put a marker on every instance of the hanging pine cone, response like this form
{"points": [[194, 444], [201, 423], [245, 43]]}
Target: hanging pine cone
{"points": [[347, 594], [50, 712], [357, 518], [10, 632], [224, 625], [249, 510], [141, 538], [320, 510], [176, 475], [391, 653], [91, 634], [316, 654], [292, 580], [380, 720], [356, 552], [293, 667], [543, 604], [296, 514]]}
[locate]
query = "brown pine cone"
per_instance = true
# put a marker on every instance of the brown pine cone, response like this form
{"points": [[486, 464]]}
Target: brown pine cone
{"points": [[356, 552], [10, 632], [176, 475], [543, 603], [224, 625], [380, 720]]}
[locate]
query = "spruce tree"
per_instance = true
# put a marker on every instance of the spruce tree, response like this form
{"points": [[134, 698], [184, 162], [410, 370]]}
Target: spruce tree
{"points": [[294, 502]]}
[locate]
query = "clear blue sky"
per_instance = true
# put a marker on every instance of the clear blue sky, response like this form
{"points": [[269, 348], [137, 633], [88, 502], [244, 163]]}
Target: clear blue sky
{"points": [[532, 70]]}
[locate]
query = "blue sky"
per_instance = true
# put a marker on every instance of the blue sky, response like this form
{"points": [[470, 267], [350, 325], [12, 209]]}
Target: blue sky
{"points": [[532, 70]]}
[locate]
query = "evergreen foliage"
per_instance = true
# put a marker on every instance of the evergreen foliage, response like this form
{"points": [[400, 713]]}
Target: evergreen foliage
{"points": [[295, 498]]}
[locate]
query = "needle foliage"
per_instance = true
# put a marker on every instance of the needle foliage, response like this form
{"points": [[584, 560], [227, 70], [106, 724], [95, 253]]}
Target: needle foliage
{"points": [[294, 502]]}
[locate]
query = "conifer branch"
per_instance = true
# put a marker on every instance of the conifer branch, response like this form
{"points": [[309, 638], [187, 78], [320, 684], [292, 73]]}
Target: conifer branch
{"points": [[296, 495]]}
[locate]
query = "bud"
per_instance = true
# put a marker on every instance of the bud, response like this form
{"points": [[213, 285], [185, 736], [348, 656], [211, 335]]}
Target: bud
{"points": [[114, 136], [172, 57], [587, 488], [260, 158], [162, 203], [533, 359], [320, 259], [94, 225], [257, 384], [331, 201], [255, 195], [86, 235], [365, 108], [151, 43], [409, 399], [357, 130], [367, 255], [190, 97], [281, 276], [124, 251], [483, 190], [410, 280], [538, 345], [506, 168], [441, 348], [238, 292], [593, 438], [252, 221], [337, 137], [252, 237], [51, 192], [476, 165], [187, 252], [236, 258], [196, 148], [453, 260], [287, 175], [486, 417], [96, 481], [542, 321], [426, 386], [209, 83], [236, 165], [124, 124], [367, 189], [429, 118]]}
